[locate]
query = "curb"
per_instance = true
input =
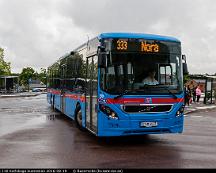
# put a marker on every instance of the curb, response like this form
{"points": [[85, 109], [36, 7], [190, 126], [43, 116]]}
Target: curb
{"points": [[22, 95], [199, 108], [191, 111]]}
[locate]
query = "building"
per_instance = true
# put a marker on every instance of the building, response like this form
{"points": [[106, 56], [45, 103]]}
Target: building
{"points": [[37, 85], [9, 84]]}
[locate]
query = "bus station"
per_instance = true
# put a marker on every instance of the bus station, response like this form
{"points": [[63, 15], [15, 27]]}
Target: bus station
{"points": [[207, 84], [8, 84]]}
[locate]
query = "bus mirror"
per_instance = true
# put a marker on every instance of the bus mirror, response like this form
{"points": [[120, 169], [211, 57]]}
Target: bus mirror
{"points": [[101, 48], [102, 60], [185, 69], [184, 58]]}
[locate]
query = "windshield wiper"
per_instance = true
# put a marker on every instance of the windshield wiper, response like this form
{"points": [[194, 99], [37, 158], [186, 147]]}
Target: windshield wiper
{"points": [[121, 94], [174, 96], [126, 91]]}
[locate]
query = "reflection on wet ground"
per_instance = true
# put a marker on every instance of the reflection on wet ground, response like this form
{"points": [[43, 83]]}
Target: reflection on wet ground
{"points": [[19, 113]]}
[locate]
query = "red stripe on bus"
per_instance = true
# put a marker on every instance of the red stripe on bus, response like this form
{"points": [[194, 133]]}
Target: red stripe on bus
{"points": [[71, 96], [167, 100], [55, 92], [143, 100], [75, 97], [125, 101], [82, 98]]}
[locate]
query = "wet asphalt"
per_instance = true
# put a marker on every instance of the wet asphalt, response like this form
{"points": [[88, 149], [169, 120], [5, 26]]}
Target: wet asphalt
{"points": [[32, 135]]}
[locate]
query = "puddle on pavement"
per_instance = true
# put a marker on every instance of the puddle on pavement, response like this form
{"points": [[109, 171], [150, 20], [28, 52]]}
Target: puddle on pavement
{"points": [[13, 126], [25, 121]]}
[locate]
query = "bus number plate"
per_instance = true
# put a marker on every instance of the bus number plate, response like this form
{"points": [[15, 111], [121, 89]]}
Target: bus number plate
{"points": [[148, 124]]}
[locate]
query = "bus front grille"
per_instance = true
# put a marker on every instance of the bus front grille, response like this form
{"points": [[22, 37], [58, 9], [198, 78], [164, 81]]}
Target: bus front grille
{"points": [[146, 108]]}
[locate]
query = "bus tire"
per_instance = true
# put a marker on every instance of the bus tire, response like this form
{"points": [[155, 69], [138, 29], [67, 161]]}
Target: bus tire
{"points": [[78, 118]]}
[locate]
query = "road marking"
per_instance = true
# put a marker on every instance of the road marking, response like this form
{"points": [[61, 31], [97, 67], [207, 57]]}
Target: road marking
{"points": [[206, 107], [196, 116]]}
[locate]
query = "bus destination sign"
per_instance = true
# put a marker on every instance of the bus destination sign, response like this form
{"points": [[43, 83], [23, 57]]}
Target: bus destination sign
{"points": [[149, 47], [140, 46]]}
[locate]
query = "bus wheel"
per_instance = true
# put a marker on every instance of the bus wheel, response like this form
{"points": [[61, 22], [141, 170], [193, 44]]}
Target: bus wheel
{"points": [[78, 118]]}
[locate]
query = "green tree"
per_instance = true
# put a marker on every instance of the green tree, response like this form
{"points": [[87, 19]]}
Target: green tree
{"points": [[27, 74], [42, 75], [5, 67], [186, 78]]}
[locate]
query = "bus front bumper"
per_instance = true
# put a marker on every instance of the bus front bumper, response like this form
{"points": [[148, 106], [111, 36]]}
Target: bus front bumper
{"points": [[135, 127]]}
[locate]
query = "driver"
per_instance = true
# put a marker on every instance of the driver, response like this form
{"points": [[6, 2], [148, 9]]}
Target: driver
{"points": [[150, 79]]}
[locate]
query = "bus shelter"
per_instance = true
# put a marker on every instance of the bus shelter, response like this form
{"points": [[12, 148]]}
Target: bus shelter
{"points": [[8, 84], [207, 84], [210, 90]]}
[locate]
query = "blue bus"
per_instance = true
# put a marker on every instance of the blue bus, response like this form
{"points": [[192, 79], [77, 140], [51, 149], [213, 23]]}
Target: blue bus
{"points": [[102, 86]]}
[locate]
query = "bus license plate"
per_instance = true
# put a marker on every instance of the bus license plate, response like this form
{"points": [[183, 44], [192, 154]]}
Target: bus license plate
{"points": [[148, 124]]}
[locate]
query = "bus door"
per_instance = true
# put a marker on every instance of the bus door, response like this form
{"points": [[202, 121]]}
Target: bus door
{"points": [[91, 94], [62, 84]]}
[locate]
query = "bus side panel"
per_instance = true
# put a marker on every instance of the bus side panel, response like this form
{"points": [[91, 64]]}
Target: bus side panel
{"points": [[68, 111], [70, 107], [49, 96], [83, 114], [57, 101]]}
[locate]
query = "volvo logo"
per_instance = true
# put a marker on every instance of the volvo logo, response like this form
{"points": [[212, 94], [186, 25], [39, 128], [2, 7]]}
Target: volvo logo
{"points": [[148, 100]]}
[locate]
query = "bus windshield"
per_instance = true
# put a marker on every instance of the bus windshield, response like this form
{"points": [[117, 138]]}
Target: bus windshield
{"points": [[138, 73]]}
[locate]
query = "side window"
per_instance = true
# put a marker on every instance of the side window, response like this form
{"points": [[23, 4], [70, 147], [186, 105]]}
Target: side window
{"points": [[63, 68], [70, 73], [95, 74], [80, 85], [56, 75], [167, 74], [130, 72], [110, 82], [92, 75], [70, 84], [49, 78]]}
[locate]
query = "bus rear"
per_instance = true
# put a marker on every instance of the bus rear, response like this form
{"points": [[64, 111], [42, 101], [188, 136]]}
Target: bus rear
{"points": [[127, 105]]}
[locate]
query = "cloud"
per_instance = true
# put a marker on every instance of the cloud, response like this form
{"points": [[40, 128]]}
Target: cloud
{"points": [[35, 33], [193, 22]]}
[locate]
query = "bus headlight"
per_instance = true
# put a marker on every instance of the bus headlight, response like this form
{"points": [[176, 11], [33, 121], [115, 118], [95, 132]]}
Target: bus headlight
{"points": [[180, 111], [108, 111]]}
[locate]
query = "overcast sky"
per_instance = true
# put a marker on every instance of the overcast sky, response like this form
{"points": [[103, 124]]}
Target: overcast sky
{"points": [[36, 32]]}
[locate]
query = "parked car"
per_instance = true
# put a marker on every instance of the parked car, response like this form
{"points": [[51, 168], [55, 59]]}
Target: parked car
{"points": [[36, 90]]}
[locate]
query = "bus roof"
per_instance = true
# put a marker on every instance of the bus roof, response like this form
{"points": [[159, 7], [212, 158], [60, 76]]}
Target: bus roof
{"points": [[138, 36]]}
